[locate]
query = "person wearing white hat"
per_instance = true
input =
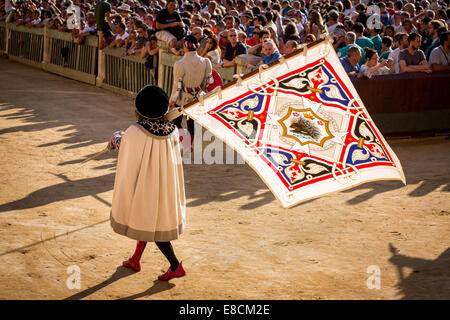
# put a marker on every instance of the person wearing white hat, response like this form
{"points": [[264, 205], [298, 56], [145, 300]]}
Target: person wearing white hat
{"points": [[124, 11], [124, 7]]}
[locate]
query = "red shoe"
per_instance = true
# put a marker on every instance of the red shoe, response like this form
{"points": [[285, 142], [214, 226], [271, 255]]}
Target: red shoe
{"points": [[172, 274], [135, 265]]}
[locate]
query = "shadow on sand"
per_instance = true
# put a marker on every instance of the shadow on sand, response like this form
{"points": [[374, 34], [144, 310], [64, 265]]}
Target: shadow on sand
{"points": [[429, 279]]}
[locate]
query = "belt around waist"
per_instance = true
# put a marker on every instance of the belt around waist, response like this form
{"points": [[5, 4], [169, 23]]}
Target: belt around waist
{"points": [[192, 90]]}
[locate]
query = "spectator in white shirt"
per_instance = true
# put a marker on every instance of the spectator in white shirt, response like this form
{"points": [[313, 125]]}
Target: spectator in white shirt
{"points": [[348, 7], [120, 36], [372, 67], [333, 16], [212, 49], [35, 18], [401, 42], [397, 23]]}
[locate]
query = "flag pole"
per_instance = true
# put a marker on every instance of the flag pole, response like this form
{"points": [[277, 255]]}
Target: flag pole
{"points": [[98, 154]]}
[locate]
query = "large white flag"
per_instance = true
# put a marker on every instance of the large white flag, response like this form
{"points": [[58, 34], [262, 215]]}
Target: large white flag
{"points": [[301, 126]]}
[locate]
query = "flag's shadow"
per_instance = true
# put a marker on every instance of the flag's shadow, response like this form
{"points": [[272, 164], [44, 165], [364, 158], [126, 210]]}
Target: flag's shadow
{"points": [[428, 279], [222, 183]]}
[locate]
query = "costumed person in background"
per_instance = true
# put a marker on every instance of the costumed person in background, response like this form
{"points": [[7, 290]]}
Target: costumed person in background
{"points": [[149, 203], [191, 76], [102, 15]]}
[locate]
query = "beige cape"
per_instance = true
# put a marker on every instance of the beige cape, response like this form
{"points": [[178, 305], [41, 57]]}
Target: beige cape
{"points": [[149, 202]]}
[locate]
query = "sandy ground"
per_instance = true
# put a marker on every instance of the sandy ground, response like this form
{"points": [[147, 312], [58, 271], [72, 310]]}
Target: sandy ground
{"points": [[239, 242]]}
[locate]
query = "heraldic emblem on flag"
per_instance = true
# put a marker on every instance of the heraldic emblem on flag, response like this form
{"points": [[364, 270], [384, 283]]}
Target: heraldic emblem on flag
{"points": [[301, 126]]}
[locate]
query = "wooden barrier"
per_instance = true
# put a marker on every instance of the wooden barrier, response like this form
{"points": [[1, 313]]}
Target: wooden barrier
{"points": [[63, 56], [25, 45], [127, 74], [166, 62], [408, 102]]}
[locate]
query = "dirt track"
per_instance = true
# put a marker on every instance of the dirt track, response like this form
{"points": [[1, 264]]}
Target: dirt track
{"points": [[239, 242]]}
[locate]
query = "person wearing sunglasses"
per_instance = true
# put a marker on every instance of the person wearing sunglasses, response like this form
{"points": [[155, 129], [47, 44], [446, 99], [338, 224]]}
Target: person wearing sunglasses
{"points": [[255, 39], [233, 49]]}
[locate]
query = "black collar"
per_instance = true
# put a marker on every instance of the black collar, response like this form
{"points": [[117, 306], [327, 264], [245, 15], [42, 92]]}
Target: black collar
{"points": [[158, 127]]}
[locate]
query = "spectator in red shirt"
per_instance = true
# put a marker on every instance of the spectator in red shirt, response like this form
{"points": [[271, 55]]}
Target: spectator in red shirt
{"points": [[256, 37]]}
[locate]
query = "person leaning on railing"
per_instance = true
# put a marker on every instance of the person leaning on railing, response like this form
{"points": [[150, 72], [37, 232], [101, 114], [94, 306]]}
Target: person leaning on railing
{"points": [[386, 48], [234, 48], [120, 36], [257, 48], [150, 54], [309, 38], [47, 17], [270, 54], [35, 19], [372, 67], [350, 62], [58, 24], [412, 59], [25, 17], [170, 27], [86, 28], [440, 56], [130, 41], [142, 38], [290, 46], [89, 27], [401, 42], [211, 50]]}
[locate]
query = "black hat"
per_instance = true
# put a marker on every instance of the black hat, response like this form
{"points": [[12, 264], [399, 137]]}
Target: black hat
{"points": [[152, 102]]}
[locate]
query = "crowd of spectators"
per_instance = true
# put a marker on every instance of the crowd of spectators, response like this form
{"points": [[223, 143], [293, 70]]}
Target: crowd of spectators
{"points": [[371, 37]]}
